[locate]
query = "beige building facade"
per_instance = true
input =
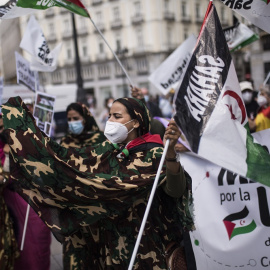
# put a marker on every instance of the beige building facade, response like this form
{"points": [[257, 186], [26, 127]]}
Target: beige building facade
{"points": [[142, 33]]}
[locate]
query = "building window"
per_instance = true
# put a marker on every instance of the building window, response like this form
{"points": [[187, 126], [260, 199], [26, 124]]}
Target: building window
{"points": [[116, 13], [197, 10], [99, 17], [118, 44], [103, 71], [184, 9], [266, 42], [66, 25], [169, 35], [142, 66], [83, 22], [185, 33], [51, 28], [101, 47], [84, 50], [140, 40], [166, 5], [137, 8]]}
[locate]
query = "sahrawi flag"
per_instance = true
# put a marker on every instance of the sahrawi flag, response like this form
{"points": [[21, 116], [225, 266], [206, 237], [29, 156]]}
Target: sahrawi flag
{"points": [[34, 42], [239, 36], [210, 110], [256, 11], [16, 8]]}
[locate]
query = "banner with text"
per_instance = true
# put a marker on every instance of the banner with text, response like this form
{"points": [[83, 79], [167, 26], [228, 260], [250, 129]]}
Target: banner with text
{"points": [[232, 217], [256, 11], [168, 75], [24, 74]]}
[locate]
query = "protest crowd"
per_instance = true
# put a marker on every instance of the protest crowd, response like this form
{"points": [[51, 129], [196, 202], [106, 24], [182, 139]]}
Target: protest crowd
{"points": [[127, 187]]}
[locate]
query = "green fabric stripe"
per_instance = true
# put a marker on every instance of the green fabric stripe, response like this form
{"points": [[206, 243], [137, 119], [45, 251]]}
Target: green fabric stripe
{"points": [[242, 230], [45, 4], [245, 43], [258, 161]]}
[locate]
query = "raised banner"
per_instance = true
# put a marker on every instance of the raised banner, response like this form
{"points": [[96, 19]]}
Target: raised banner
{"points": [[169, 74], [25, 75], [44, 111], [34, 42], [232, 216], [255, 11]]}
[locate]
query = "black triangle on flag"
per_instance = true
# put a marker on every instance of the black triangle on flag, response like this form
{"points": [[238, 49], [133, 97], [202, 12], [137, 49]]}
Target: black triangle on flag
{"points": [[206, 74]]}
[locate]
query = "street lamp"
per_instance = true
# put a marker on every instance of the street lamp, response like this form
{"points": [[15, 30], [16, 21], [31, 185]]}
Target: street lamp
{"points": [[80, 91], [122, 53]]}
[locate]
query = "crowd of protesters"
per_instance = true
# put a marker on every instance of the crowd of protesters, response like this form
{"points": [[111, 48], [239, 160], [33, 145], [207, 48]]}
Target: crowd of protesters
{"points": [[90, 191]]}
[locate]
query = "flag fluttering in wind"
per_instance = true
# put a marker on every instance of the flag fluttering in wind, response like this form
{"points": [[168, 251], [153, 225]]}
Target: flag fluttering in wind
{"points": [[210, 110], [35, 43], [239, 36], [16, 8], [256, 11]]}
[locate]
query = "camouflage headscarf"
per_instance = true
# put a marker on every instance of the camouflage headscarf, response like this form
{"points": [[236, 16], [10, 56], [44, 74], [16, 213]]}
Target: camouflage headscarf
{"points": [[91, 133], [137, 110]]}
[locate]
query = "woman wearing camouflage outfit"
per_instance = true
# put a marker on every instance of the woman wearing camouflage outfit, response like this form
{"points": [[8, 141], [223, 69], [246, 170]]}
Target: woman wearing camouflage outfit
{"points": [[95, 197]]}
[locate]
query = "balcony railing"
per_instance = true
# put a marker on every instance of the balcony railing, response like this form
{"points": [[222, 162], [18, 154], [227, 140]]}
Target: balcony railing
{"points": [[83, 31], [117, 24], [169, 16], [137, 19], [67, 34], [96, 2], [186, 19]]}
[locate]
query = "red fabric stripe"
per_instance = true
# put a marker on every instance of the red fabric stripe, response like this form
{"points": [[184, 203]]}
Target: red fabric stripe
{"points": [[147, 138], [77, 3], [266, 112]]}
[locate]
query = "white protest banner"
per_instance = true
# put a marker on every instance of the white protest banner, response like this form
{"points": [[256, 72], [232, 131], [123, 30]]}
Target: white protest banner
{"points": [[232, 217], [24, 74], [168, 75], [256, 11], [239, 36], [44, 111], [35, 43]]}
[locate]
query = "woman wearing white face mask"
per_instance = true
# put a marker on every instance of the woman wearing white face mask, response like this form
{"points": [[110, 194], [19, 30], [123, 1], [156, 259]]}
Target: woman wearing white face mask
{"points": [[95, 197], [82, 127], [248, 94], [262, 120]]}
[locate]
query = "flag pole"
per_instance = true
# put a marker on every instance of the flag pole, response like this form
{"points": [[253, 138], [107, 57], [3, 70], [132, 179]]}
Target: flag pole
{"points": [[28, 206], [114, 54], [148, 206], [25, 225]]}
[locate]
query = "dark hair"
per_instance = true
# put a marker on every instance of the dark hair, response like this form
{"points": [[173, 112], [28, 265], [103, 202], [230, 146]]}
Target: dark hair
{"points": [[76, 107]]}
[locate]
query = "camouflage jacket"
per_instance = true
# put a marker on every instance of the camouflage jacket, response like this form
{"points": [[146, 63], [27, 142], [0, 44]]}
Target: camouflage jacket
{"points": [[73, 188]]}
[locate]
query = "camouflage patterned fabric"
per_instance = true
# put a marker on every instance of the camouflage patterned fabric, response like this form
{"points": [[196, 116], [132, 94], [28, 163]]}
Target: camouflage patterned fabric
{"points": [[94, 199], [8, 246], [91, 134]]}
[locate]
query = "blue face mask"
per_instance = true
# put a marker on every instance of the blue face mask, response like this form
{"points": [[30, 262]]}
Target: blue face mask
{"points": [[76, 127]]}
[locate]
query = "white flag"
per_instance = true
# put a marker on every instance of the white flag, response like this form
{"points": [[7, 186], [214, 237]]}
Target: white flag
{"points": [[256, 11], [168, 75], [35, 43], [239, 36]]}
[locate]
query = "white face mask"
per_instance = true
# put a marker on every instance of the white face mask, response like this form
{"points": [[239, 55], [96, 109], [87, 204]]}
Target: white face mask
{"points": [[247, 97], [116, 132], [261, 100]]}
